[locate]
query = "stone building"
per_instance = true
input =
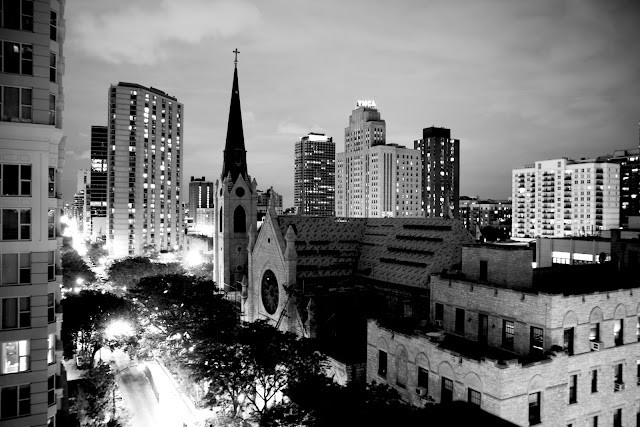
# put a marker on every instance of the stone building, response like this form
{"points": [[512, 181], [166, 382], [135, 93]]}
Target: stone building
{"points": [[548, 347], [321, 277]]}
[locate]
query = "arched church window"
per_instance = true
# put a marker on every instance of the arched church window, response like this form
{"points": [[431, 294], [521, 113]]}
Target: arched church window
{"points": [[239, 220], [270, 292]]}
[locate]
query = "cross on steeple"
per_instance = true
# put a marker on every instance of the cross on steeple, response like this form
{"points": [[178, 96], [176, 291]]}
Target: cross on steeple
{"points": [[236, 60]]}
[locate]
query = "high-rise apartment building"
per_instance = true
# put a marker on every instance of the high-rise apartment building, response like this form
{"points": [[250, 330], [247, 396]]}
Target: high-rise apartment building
{"points": [[81, 202], [375, 179], [31, 158], [98, 181], [629, 161], [477, 214], [563, 197], [201, 201], [315, 175], [144, 209], [440, 172]]}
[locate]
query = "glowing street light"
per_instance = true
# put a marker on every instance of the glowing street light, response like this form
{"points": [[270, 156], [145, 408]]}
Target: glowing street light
{"points": [[119, 328]]}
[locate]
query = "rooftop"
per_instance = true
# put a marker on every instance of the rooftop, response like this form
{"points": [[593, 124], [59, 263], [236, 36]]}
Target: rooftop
{"points": [[149, 89]]}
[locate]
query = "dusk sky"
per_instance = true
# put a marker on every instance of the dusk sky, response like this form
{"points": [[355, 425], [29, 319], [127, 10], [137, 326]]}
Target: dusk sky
{"points": [[516, 81]]}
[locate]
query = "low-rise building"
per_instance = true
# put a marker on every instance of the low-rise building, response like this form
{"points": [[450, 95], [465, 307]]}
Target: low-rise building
{"points": [[548, 347]]}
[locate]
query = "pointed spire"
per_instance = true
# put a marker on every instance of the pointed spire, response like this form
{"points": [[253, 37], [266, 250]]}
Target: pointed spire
{"points": [[235, 156]]}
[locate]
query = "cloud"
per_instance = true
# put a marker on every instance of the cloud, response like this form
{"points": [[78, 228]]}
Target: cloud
{"points": [[75, 155], [139, 32], [288, 127]]}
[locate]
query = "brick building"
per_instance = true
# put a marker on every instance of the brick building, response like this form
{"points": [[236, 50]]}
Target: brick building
{"points": [[548, 347]]}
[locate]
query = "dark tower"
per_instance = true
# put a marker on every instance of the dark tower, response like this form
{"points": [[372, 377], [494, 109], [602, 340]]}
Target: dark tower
{"points": [[235, 202]]}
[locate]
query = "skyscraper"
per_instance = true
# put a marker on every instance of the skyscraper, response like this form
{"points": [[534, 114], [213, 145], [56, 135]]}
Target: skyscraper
{"points": [[144, 209], [201, 202], [31, 158], [375, 179], [98, 179], [315, 175], [629, 161], [440, 172], [563, 197]]}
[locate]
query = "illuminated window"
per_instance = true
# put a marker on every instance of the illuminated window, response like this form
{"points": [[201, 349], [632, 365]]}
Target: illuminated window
{"points": [[618, 333], [15, 357], [51, 349]]}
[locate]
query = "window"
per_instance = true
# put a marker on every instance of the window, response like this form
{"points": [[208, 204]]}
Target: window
{"points": [[638, 328], [53, 61], [52, 182], [594, 421], [51, 224], [16, 180], [423, 378], [459, 326], [51, 349], [51, 308], [53, 28], [51, 422], [52, 109], [51, 390], [508, 333], [484, 265], [16, 224], [573, 389], [618, 373], [447, 391], [239, 220], [594, 332], [594, 381], [16, 269], [16, 58], [534, 408], [617, 418], [568, 341], [474, 397], [618, 334], [537, 340], [483, 328], [15, 104], [439, 312], [16, 15], [16, 313], [51, 266], [382, 363], [15, 401], [15, 357]]}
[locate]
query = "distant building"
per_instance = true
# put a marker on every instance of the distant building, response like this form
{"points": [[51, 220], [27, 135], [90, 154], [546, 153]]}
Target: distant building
{"points": [[81, 202], [200, 206], [476, 214], [629, 161], [375, 179], [552, 348], [440, 172], [145, 171], [98, 182], [562, 197], [314, 175], [32, 156], [262, 203]]}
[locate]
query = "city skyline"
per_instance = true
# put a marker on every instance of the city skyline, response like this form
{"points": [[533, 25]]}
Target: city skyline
{"points": [[525, 82]]}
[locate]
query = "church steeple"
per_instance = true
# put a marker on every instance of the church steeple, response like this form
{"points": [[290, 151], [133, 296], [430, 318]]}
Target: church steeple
{"points": [[235, 156]]}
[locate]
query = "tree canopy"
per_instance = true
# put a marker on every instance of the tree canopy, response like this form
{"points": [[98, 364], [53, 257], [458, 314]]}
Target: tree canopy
{"points": [[73, 268], [127, 272], [87, 315]]}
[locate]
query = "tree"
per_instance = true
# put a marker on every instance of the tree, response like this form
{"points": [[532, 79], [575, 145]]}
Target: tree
{"points": [[127, 272], [257, 369], [73, 268], [96, 251], [94, 400], [87, 315]]}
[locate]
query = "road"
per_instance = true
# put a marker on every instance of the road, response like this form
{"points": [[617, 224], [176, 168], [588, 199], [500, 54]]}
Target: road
{"points": [[140, 400]]}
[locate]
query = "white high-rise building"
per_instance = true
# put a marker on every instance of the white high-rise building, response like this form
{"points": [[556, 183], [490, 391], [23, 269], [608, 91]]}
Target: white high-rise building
{"points": [[32, 146], [563, 197], [375, 179], [144, 210]]}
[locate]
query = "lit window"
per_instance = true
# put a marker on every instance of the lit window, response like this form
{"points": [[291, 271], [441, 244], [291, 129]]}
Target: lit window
{"points": [[15, 357]]}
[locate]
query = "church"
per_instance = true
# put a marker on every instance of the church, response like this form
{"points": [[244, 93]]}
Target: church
{"points": [[323, 277]]}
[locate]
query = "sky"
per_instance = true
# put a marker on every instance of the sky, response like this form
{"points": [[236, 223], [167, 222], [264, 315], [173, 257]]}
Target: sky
{"points": [[516, 81]]}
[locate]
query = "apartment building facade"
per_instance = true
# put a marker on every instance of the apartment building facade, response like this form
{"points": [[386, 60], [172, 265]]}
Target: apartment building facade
{"points": [[145, 212], [563, 197], [32, 147]]}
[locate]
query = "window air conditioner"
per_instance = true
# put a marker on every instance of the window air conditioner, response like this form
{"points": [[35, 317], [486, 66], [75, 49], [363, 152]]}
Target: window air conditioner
{"points": [[421, 391], [619, 386], [596, 345]]}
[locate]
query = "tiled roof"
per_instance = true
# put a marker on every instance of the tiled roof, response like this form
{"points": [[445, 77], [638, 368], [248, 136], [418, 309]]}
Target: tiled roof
{"points": [[396, 250]]}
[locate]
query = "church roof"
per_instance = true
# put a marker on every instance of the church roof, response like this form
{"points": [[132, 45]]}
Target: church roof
{"points": [[395, 250], [235, 155]]}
